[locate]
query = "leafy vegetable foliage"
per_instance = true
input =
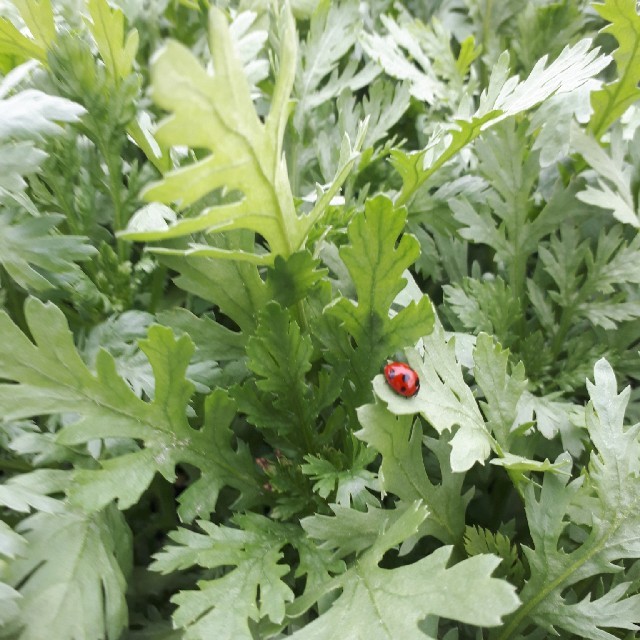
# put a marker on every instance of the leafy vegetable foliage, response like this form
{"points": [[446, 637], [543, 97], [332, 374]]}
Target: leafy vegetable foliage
{"points": [[613, 100], [196, 437], [107, 407]]}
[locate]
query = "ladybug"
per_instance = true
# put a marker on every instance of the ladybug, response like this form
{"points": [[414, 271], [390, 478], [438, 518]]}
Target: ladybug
{"points": [[402, 379]]}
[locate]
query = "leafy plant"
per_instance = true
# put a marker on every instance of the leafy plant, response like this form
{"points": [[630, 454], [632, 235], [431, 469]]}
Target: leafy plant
{"points": [[220, 222]]}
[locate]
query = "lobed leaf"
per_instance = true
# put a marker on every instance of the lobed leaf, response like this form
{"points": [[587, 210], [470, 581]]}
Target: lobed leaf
{"points": [[254, 589], [376, 265], [610, 102], [52, 378], [245, 154], [444, 399], [504, 97], [610, 495], [384, 604], [73, 581], [34, 256], [400, 440]]}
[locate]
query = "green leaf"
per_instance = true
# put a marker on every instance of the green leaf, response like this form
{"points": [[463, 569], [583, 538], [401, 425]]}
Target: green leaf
{"points": [[385, 604], [38, 16], [506, 219], [73, 580], [106, 24], [400, 441], [478, 540], [53, 379], [350, 531], [502, 390], [9, 605], [350, 485], [32, 114], [444, 400], [483, 305], [376, 262], [504, 97], [278, 353], [212, 340], [234, 286], [597, 295], [610, 102], [35, 257], [254, 589], [291, 279], [281, 400], [613, 190], [607, 500], [224, 465], [246, 155]]}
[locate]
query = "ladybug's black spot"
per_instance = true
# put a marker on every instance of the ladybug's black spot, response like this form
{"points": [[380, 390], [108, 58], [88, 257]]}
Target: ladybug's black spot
{"points": [[403, 388], [392, 373], [405, 377]]}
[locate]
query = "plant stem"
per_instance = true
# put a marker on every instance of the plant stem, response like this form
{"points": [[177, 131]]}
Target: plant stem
{"points": [[19, 466]]}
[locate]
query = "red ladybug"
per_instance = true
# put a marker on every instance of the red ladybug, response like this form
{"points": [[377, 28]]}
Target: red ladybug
{"points": [[402, 379]]}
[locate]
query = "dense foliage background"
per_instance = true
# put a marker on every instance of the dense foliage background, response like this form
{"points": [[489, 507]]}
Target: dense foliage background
{"points": [[219, 223]]}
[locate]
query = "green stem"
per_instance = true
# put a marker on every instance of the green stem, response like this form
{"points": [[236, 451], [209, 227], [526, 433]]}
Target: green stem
{"points": [[157, 287], [114, 169], [18, 466], [115, 188]]}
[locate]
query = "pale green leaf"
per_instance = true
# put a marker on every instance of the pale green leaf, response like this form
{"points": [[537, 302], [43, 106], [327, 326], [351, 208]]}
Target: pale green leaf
{"points": [[106, 24], [575, 67], [399, 439], [413, 66], [333, 32], [613, 190], [502, 390], [12, 544], [351, 486], [30, 491], [32, 114], [245, 153], [34, 255], [614, 98], [53, 379], [444, 399], [350, 531], [611, 489], [38, 16], [9, 605], [73, 582], [18, 46], [521, 464], [386, 604], [18, 159], [252, 590]]}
